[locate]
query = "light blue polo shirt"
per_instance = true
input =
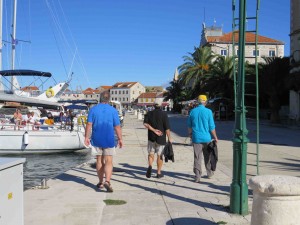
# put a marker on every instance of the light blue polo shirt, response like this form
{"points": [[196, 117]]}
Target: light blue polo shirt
{"points": [[103, 118], [202, 123]]}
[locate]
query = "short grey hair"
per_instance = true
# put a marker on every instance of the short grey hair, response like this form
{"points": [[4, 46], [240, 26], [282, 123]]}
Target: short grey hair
{"points": [[105, 97]]}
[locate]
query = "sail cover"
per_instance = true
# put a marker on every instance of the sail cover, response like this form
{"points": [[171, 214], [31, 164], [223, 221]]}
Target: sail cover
{"points": [[7, 73]]}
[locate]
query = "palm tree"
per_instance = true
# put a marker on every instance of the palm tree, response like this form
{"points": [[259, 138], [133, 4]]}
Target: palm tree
{"points": [[195, 66], [273, 80], [219, 82]]}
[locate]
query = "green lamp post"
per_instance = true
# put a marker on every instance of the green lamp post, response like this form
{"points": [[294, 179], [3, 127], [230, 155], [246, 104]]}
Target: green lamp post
{"points": [[239, 187]]}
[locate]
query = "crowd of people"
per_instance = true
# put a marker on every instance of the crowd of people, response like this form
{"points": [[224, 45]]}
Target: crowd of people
{"points": [[35, 119], [28, 119]]}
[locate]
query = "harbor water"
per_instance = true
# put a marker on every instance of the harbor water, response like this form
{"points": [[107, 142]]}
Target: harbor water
{"points": [[45, 166]]}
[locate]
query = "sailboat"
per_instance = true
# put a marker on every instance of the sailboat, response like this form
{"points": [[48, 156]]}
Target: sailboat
{"points": [[23, 139]]}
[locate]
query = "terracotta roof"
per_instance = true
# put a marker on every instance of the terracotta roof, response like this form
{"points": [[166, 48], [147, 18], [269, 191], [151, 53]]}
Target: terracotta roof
{"points": [[148, 95], [123, 84], [250, 38], [106, 87], [160, 95], [30, 88], [88, 91]]}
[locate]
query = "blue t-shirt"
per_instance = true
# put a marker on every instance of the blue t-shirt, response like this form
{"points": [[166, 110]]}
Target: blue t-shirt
{"points": [[103, 118], [202, 123]]}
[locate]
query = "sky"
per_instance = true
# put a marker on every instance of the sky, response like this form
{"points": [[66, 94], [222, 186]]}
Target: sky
{"points": [[102, 42]]}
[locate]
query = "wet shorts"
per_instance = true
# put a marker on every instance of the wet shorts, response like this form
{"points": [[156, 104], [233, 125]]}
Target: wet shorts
{"points": [[103, 151], [153, 147]]}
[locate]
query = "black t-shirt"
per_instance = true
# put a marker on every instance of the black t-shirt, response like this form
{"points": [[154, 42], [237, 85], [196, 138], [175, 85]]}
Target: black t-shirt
{"points": [[157, 119]]}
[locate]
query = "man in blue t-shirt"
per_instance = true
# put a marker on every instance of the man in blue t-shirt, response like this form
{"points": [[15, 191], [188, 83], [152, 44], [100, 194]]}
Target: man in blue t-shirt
{"points": [[103, 121], [201, 127]]}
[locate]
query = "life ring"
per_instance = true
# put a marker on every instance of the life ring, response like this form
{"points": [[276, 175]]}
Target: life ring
{"points": [[50, 93]]}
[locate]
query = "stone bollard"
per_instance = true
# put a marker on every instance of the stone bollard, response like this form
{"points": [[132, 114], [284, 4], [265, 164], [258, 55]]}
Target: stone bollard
{"points": [[140, 116], [276, 200], [135, 112]]}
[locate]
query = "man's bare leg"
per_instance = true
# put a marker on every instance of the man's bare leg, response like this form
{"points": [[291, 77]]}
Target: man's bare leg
{"points": [[150, 159], [108, 167], [159, 164], [100, 168], [150, 162]]}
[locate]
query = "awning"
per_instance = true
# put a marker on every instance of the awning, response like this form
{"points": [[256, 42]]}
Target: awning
{"points": [[165, 104]]}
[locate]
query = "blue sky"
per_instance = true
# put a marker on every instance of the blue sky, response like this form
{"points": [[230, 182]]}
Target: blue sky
{"points": [[107, 41]]}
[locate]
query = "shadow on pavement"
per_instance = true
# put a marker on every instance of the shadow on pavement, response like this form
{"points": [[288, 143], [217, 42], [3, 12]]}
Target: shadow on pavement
{"points": [[189, 221], [292, 165], [77, 179]]}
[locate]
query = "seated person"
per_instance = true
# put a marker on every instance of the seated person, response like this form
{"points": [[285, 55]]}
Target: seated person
{"points": [[35, 121], [17, 118]]}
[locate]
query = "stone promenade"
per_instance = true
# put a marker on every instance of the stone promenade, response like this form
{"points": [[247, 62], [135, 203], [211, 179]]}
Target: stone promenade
{"points": [[175, 199]]}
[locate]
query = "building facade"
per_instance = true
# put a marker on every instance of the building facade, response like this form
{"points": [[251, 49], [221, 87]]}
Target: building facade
{"points": [[221, 44], [126, 92], [87, 94]]}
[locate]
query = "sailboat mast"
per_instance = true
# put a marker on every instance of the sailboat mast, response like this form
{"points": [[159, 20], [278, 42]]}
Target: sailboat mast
{"points": [[14, 82], [1, 11]]}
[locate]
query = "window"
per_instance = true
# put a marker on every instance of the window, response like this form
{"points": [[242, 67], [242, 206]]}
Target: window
{"points": [[123, 92], [127, 93], [119, 92], [224, 52], [127, 99], [133, 92], [272, 53], [256, 53], [146, 99], [142, 100], [237, 52], [123, 99], [119, 99]]}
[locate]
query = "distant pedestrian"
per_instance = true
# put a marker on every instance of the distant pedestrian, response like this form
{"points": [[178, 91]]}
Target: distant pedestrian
{"points": [[201, 128], [157, 123], [103, 121]]}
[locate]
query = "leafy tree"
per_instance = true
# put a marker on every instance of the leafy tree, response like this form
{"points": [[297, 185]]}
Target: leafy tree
{"points": [[177, 93], [273, 80]]}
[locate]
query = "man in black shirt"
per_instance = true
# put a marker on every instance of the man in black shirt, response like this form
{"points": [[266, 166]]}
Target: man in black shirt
{"points": [[157, 123]]}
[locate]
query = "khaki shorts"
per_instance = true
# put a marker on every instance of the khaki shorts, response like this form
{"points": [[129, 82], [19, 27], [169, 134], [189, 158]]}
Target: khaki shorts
{"points": [[103, 151], [153, 147]]}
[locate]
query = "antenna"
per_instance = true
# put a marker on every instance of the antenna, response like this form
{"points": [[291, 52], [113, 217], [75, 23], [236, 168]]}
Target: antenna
{"points": [[204, 14]]}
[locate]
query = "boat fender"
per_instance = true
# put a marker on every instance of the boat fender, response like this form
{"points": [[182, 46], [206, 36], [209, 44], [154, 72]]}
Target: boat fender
{"points": [[26, 138], [50, 92]]}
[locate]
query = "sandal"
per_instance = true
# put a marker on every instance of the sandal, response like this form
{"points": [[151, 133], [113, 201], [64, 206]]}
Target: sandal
{"points": [[108, 186], [100, 185]]}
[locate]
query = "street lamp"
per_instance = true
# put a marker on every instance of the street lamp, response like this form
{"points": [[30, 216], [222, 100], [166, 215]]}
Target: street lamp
{"points": [[239, 187]]}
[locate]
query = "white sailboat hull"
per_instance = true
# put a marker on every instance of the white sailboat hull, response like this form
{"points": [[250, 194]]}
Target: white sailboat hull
{"points": [[47, 141]]}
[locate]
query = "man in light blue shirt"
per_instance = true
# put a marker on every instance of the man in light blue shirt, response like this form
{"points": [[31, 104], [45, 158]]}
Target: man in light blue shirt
{"points": [[201, 128]]}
